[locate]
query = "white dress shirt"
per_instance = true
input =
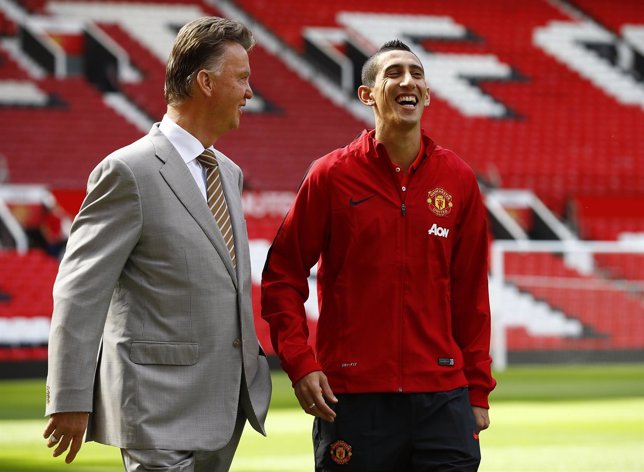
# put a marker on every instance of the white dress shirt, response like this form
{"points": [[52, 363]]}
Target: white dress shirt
{"points": [[188, 147]]}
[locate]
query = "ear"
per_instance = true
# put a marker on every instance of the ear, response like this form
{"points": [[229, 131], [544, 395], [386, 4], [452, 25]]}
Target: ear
{"points": [[365, 95], [204, 82], [427, 98]]}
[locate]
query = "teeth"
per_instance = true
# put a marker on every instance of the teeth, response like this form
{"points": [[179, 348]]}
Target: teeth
{"points": [[407, 100]]}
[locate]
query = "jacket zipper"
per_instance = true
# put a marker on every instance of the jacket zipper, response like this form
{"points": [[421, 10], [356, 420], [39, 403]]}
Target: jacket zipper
{"points": [[403, 213], [403, 249]]}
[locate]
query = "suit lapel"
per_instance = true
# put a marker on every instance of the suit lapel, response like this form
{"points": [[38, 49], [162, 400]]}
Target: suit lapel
{"points": [[176, 174]]}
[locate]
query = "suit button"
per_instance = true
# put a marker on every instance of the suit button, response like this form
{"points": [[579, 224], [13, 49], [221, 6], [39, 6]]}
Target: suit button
{"points": [[237, 343]]}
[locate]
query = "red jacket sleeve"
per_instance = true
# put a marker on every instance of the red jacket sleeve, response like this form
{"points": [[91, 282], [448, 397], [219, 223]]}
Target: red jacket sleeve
{"points": [[471, 320], [294, 251]]}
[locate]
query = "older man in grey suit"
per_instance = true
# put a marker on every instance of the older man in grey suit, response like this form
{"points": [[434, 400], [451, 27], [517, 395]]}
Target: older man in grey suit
{"points": [[152, 346]]}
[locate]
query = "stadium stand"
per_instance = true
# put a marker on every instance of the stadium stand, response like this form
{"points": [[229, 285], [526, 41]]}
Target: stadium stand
{"points": [[7, 27], [539, 95], [295, 110], [561, 135], [588, 299], [613, 218], [613, 16], [606, 217], [26, 304]]}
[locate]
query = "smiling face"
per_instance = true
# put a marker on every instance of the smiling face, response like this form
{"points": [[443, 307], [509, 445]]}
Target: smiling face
{"points": [[399, 94]]}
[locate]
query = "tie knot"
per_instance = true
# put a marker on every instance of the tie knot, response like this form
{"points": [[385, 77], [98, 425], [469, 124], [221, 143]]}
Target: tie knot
{"points": [[207, 158]]}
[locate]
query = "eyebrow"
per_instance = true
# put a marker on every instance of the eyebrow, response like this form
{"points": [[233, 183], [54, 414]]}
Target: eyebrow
{"points": [[399, 65]]}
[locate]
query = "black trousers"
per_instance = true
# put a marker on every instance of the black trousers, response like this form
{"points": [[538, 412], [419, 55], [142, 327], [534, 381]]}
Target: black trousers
{"points": [[399, 432]]}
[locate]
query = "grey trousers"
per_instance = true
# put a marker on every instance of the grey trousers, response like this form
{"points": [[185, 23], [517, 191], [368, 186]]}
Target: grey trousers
{"points": [[157, 460]]}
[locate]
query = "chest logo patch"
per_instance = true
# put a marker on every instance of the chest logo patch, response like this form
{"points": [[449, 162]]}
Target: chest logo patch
{"points": [[340, 452], [438, 231], [440, 201]]}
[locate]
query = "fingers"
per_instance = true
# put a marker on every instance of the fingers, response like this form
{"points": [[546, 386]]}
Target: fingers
{"points": [[310, 391], [483, 425], [482, 418], [50, 434], [65, 431], [77, 442], [52, 440], [73, 443], [49, 429], [326, 389], [320, 409], [62, 446]]}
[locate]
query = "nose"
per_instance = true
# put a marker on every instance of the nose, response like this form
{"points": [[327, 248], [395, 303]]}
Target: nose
{"points": [[407, 79], [249, 92]]}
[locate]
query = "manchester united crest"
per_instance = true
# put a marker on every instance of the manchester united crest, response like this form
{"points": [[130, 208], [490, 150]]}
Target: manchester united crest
{"points": [[340, 452], [440, 202]]}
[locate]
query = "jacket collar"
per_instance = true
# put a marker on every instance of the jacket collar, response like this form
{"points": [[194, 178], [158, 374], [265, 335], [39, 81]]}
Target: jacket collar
{"points": [[180, 180], [370, 147]]}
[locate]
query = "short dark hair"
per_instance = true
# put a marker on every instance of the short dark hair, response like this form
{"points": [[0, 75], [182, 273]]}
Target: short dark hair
{"points": [[370, 68], [200, 45]]}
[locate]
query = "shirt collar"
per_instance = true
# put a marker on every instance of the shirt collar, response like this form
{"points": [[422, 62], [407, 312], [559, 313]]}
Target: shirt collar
{"points": [[186, 144], [419, 158], [426, 144]]}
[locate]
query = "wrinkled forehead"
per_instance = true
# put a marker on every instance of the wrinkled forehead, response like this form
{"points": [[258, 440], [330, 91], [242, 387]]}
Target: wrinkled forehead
{"points": [[397, 58]]}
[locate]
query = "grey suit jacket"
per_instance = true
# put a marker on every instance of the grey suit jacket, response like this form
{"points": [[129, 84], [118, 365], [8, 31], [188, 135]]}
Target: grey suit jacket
{"points": [[152, 327]]}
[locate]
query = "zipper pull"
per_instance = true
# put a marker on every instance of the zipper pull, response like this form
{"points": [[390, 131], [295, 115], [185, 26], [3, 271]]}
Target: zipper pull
{"points": [[403, 209]]}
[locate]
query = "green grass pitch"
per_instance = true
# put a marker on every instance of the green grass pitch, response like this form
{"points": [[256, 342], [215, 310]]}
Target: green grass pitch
{"points": [[544, 419]]}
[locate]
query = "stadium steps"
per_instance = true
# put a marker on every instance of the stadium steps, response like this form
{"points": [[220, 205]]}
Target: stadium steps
{"points": [[25, 312], [609, 313]]}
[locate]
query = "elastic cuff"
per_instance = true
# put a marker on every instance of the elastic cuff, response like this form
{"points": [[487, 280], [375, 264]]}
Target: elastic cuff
{"points": [[295, 373], [479, 398]]}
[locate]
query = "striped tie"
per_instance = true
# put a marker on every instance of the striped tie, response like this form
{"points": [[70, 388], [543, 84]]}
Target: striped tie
{"points": [[217, 201]]}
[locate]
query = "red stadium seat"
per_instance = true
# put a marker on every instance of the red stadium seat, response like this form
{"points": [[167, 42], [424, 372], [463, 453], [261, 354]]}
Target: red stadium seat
{"points": [[562, 135]]}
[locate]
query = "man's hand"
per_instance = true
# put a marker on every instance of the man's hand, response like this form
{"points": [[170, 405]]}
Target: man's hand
{"points": [[311, 391], [481, 417], [66, 430]]}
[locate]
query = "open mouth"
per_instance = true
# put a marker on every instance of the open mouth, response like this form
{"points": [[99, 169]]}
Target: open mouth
{"points": [[407, 101]]}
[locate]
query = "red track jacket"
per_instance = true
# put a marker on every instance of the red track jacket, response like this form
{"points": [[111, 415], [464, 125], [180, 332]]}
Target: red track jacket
{"points": [[402, 275]]}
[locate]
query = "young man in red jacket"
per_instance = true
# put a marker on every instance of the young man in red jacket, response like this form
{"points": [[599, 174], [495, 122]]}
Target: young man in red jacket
{"points": [[401, 374]]}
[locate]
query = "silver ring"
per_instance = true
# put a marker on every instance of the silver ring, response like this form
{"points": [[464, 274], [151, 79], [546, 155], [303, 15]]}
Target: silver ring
{"points": [[54, 438], [312, 406]]}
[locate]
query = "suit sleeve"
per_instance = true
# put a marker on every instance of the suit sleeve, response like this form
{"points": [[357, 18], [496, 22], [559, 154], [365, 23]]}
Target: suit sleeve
{"points": [[296, 248], [471, 319], [102, 237]]}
